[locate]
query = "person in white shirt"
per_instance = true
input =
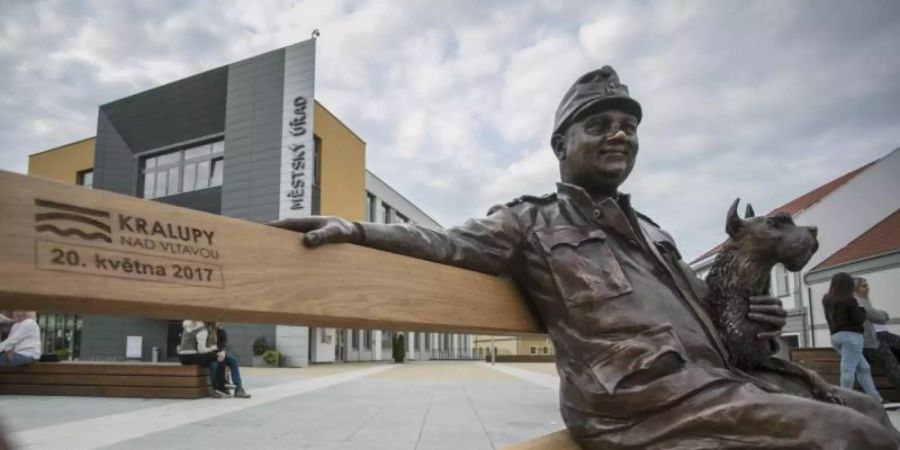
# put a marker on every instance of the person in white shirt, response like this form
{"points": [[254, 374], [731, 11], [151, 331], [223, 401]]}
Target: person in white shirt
{"points": [[23, 346]]}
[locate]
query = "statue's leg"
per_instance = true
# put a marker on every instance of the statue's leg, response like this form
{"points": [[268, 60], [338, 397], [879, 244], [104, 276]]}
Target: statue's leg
{"points": [[732, 416], [867, 405], [798, 380]]}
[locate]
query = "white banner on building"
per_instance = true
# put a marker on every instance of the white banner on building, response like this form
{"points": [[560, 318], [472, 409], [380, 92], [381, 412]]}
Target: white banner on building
{"points": [[297, 144], [298, 167]]}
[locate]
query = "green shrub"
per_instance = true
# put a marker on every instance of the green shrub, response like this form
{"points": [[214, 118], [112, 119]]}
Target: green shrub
{"points": [[399, 348], [260, 346], [271, 357], [62, 354]]}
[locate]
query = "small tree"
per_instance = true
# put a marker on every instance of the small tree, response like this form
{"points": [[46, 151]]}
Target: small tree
{"points": [[399, 348], [260, 346]]}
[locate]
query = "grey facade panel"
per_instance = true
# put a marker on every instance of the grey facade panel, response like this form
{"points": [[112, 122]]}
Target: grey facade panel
{"points": [[176, 112], [253, 137], [207, 200], [115, 168], [241, 337], [103, 337]]}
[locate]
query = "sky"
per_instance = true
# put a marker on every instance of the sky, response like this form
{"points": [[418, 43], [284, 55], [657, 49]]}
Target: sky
{"points": [[761, 100]]}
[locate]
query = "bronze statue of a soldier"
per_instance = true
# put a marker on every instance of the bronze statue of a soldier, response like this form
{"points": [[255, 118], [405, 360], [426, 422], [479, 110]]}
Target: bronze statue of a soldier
{"points": [[641, 364]]}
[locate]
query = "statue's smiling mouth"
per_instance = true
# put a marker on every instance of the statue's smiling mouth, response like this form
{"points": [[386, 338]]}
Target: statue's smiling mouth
{"points": [[613, 151]]}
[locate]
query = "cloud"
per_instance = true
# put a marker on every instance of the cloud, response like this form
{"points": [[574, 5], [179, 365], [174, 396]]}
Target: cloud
{"points": [[762, 100]]}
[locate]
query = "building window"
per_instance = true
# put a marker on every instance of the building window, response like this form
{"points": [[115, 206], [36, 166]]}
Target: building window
{"points": [[401, 218], [317, 177], [546, 350], [85, 178], [367, 340], [387, 337], [370, 208], [427, 341], [784, 279], [354, 339], [317, 154], [185, 170], [533, 350], [385, 213], [781, 281]]}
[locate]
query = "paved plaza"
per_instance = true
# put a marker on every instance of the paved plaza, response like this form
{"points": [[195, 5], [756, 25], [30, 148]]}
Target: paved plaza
{"points": [[418, 405]]}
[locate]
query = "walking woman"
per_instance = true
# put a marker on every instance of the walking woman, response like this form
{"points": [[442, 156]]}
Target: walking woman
{"points": [[845, 321]]}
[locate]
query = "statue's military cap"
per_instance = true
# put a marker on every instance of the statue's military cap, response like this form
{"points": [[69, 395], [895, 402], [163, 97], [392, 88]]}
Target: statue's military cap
{"points": [[598, 89]]}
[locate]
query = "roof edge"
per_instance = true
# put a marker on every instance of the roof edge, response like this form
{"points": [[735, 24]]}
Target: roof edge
{"points": [[63, 145]]}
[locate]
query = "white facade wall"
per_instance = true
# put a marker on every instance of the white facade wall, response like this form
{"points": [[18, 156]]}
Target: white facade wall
{"points": [[386, 194], [293, 343], [855, 207], [323, 341]]}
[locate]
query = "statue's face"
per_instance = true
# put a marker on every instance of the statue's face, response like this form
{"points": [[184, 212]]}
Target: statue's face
{"points": [[598, 151]]}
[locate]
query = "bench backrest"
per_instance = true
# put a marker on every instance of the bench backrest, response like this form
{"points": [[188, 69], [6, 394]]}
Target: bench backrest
{"points": [[71, 249]]}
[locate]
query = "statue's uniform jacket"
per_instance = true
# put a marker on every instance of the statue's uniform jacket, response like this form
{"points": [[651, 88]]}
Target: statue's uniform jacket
{"points": [[639, 360]]}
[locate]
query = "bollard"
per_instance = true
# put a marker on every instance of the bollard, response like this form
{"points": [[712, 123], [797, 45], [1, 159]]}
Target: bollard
{"points": [[155, 354]]}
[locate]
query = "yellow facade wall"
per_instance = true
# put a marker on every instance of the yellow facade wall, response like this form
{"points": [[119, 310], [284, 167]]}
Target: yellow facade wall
{"points": [[63, 163], [343, 168], [509, 345], [506, 345]]}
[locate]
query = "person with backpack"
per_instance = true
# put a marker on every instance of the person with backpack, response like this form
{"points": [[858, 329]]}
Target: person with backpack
{"points": [[199, 346]]}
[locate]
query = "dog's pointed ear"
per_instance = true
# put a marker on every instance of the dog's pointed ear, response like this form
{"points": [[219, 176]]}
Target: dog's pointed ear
{"points": [[749, 214], [733, 222]]}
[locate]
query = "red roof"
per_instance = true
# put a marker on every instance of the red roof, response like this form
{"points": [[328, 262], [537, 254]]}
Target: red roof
{"points": [[812, 197], [802, 202], [883, 238]]}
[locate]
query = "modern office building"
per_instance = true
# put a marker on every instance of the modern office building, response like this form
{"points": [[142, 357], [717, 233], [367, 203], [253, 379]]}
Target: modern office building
{"points": [[246, 140]]}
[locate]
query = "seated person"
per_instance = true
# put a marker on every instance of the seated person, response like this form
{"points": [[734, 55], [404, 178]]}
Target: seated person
{"points": [[198, 346], [23, 346], [228, 360]]}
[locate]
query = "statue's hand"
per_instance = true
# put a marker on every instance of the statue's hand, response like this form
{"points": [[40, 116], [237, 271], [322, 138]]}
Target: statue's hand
{"points": [[322, 230], [767, 310], [824, 391]]}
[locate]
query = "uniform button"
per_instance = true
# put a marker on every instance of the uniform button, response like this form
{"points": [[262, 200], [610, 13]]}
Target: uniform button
{"points": [[597, 214]]}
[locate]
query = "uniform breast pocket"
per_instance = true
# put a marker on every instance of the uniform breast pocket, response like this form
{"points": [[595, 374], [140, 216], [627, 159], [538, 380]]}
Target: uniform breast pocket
{"points": [[582, 264]]}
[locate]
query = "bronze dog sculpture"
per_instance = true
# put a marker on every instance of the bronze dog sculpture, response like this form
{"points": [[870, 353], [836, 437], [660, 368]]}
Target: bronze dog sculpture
{"points": [[742, 269]]}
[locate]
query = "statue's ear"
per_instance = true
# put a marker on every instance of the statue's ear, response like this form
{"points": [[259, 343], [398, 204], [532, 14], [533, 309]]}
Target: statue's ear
{"points": [[749, 214], [733, 222], [558, 142]]}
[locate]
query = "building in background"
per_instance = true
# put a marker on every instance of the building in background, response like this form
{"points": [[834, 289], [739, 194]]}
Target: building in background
{"points": [[246, 140], [857, 219], [513, 345]]}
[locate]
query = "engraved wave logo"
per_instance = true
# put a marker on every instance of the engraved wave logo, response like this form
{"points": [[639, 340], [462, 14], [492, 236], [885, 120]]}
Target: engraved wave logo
{"points": [[67, 220]]}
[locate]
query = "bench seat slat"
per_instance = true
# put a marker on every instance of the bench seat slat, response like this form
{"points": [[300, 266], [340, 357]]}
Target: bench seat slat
{"points": [[105, 391], [92, 368], [103, 380]]}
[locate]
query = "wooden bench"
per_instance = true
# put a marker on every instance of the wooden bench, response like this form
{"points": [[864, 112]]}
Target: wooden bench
{"points": [[827, 363], [522, 358], [91, 379], [70, 249]]}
